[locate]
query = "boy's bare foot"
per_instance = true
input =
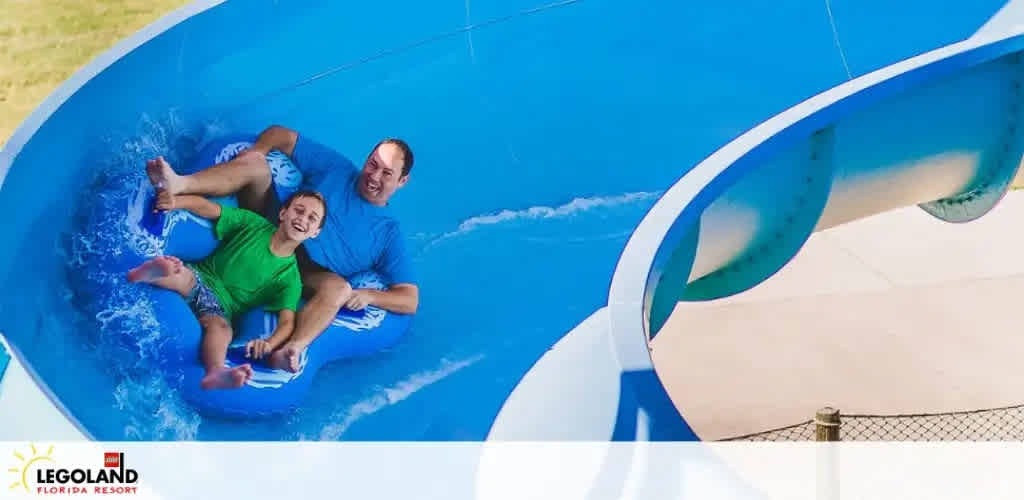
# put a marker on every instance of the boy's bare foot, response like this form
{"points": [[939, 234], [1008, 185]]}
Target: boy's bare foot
{"points": [[227, 378], [154, 269], [163, 176], [286, 358], [176, 261]]}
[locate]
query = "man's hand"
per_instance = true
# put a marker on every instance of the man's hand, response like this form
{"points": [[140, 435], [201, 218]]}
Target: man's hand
{"points": [[358, 301], [257, 349], [165, 200]]}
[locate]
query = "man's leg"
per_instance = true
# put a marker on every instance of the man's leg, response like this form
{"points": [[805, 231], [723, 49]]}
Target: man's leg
{"points": [[330, 292], [213, 350], [248, 174]]}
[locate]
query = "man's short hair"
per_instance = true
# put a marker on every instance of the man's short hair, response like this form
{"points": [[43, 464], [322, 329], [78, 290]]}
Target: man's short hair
{"points": [[407, 158], [307, 193]]}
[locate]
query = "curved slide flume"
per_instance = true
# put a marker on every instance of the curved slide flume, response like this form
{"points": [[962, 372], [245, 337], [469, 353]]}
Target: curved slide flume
{"points": [[940, 130]]}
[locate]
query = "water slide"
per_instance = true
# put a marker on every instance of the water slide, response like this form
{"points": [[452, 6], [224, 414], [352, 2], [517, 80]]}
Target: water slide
{"points": [[582, 167]]}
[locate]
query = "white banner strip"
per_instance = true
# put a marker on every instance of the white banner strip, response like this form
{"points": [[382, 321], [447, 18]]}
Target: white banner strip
{"points": [[514, 470]]}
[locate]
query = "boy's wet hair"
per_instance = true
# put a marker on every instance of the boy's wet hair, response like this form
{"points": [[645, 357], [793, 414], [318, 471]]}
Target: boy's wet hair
{"points": [[307, 193]]}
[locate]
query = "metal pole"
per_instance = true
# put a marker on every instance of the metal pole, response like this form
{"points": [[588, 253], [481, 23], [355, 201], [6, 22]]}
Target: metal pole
{"points": [[827, 433], [826, 424]]}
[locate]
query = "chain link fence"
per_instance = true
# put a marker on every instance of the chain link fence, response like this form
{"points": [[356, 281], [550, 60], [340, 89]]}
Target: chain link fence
{"points": [[994, 424]]}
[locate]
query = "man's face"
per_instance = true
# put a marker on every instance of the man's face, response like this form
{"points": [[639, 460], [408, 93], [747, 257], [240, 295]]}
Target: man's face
{"points": [[301, 219], [382, 174]]}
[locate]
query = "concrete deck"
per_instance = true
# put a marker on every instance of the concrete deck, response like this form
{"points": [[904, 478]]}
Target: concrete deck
{"points": [[896, 313]]}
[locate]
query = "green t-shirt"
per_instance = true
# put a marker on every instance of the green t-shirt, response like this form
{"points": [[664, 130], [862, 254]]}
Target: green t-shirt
{"points": [[242, 272]]}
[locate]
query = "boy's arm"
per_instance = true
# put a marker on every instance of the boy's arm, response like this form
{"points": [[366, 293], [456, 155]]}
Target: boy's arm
{"points": [[258, 348], [195, 204], [285, 303], [285, 327]]}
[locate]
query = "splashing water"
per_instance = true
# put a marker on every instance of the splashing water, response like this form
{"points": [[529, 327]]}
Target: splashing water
{"points": [[120, 320], [153, 411]]}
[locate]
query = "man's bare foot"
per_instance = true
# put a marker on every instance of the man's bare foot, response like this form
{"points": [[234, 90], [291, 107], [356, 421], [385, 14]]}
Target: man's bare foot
{"points": [[227, 378], [154, 269], [285, 358], [162, 176]]}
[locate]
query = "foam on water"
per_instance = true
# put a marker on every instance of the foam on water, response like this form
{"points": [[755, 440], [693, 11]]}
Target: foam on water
{"points": [[387, 396], [575, 207]]}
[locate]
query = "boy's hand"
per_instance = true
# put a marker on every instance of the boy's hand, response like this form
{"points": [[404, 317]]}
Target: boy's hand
{"points": [[164, 200], [257, 349]]}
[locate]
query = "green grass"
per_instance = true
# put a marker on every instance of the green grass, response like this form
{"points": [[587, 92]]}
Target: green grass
{"points": [[42, 42]]}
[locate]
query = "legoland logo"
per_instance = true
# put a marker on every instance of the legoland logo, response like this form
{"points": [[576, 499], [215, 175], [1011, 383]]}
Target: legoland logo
{"points": [[38, 473]]}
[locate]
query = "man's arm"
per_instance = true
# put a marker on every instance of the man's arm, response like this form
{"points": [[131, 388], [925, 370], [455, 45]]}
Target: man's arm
{"points": [[195, 204], [401, 298]]}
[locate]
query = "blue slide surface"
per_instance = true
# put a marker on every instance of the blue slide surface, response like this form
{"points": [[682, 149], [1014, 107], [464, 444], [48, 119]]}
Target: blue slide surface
{"points": [[544, 133]]}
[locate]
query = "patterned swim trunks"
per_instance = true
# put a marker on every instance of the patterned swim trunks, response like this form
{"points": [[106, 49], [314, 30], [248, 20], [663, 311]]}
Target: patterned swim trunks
{"points": [[202, 300]]}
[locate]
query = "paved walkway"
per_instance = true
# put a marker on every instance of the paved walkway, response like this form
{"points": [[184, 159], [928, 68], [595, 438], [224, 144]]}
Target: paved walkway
{"points": [[896, 313]]}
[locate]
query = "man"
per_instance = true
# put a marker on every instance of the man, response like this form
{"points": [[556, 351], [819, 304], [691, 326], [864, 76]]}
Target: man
{"points": [[359, 233]]}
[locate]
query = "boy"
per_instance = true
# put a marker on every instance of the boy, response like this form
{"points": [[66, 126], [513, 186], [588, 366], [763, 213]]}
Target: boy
{"points": [[254, 265]]}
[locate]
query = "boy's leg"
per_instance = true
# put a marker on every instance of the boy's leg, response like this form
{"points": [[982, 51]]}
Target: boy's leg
{"points": [[165, 272], [248, 175], [213, 350], [170, 273]]}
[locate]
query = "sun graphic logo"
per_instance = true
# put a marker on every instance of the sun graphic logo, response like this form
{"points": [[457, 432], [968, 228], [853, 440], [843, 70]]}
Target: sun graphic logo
{"points": [[25, 464]]}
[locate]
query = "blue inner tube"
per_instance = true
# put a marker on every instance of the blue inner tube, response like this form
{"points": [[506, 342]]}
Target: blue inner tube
{"points": [[269, 391]]}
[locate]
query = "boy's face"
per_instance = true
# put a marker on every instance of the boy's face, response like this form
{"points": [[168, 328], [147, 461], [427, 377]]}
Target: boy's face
{"points": [[301, 220]]}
